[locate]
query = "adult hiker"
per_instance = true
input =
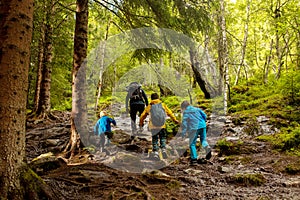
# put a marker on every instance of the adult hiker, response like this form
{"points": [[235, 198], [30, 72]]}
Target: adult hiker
{"points": [[136, 100], [102, 128], [157, 111], [194, 124]]}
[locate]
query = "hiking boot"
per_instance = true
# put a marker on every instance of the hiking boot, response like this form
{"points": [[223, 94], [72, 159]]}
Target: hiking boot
{"points": [[164, 154], [193, 162], [154, 156], [201, 161], [208, 152]]}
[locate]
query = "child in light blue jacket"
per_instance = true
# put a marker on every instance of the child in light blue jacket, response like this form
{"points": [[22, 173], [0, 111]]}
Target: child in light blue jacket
{"points": [[103, 128], [194, 123]]}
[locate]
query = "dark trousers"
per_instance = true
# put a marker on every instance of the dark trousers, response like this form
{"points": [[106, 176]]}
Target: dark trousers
{"points": [[159, 136], [134, 110], [107, 136]]}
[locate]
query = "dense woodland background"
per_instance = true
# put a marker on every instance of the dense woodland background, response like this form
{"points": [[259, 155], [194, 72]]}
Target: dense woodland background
{"points": [[253, 44], [262, 41]]}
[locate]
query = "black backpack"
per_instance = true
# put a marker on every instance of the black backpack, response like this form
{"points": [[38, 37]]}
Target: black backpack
{"points": [[135, 93], [158, 114]]}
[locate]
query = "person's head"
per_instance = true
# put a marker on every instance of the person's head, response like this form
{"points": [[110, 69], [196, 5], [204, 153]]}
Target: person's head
{"points": [[103, 113], [154, 96], [184, 105]]}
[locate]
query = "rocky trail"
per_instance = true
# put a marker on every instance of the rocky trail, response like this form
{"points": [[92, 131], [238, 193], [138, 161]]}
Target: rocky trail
{"points": [[125, 171]]}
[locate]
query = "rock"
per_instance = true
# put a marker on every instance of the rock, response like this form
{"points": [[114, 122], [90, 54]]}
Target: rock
{"points": [[223, 169], [45, 162], [293, 182], [262, 119], [230, 138], [52, 142], [154, 172], [193, 171]]}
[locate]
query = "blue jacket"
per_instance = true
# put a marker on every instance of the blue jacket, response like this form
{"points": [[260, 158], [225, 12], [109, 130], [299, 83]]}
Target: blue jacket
{"points": [[193, 119], [103, 125]]}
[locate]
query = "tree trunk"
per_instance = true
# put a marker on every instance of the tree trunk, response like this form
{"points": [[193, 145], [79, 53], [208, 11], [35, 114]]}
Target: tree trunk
{"points": [[208, 91], [44, 105], [15, 37], [267, 64], [223, 54], [39, 71], [242, 64], [79, 112], [102, 51], [101, 71]]}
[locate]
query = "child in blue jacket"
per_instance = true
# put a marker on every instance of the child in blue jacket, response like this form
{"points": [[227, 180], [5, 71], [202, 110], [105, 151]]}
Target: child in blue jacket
{"points": [[194, 123], [103, 128]]}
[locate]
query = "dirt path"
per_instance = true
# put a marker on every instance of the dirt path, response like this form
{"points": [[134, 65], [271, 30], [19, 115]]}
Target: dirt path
{"points": [[256, 172]]}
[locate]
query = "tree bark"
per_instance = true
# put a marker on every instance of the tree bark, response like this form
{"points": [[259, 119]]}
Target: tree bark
{"points": [[101, 71], [15, 37], [206, 88], [39, 71], [223, 54], [79, 110], [267, 64], [44, 105], [242, 64]]}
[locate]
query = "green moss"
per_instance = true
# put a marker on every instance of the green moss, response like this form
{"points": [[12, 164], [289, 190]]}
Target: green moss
{"points": [[265, 138], [239, 89], [293, 169], [174, 184], [263, 100], [229, 147], [30, 181], [291, 138], [248, 179], [252, 126], [246, 159], [287, 140], [237, 119]]}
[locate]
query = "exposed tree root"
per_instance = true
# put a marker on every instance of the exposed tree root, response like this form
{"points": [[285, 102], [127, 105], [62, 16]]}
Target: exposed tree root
{"points": [[35, 188], [36, 118], [137, 191]]}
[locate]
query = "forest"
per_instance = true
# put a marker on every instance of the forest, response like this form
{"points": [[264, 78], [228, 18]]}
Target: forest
{"points": [[63, 62]]}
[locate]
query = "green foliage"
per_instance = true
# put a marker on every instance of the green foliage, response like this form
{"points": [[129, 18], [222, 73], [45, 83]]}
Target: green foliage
{"points": [[289, 86], [172, 102], [62, 22], [171, 128], [61, 91], [105, 102]]}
